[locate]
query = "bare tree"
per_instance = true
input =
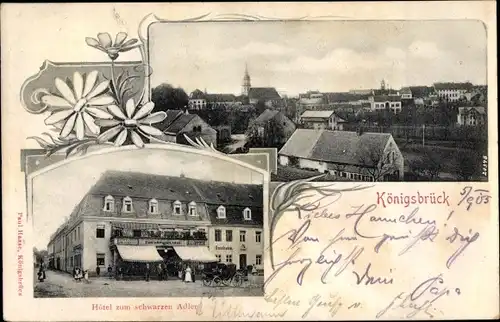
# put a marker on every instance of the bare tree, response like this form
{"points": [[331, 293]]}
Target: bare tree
{"points": [[376, 163]]}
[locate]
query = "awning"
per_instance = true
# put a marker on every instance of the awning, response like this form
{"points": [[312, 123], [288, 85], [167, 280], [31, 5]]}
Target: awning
{"points": [[195, 253], [139, 253]]}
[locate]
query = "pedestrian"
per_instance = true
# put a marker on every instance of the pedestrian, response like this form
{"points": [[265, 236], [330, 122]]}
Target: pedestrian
{"points": [[97, 271], [41, 274], [110, 270], [188, 276], [160, 272], [147, 272], [86, 276]]}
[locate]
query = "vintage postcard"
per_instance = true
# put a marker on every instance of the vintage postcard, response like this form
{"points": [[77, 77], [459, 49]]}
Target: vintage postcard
{"points": [[254, 161]]}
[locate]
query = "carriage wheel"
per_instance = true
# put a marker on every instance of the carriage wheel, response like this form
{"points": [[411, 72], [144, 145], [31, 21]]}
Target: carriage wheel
{"points": [[237, 280], [207, 281], [216, 281]]}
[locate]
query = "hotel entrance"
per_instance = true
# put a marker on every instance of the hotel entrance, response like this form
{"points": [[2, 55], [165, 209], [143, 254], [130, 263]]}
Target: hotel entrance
{"points": [[243, 261]]}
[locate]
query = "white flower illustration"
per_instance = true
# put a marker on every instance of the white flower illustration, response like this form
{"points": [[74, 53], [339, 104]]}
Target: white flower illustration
{"points": [[77, 107]]}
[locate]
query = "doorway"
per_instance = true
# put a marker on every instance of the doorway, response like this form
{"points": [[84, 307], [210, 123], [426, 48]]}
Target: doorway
{"points": [[243, 261]]}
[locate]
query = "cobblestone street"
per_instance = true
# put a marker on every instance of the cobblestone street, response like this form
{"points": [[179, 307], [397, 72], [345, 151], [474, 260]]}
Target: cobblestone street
{"points": [[59, 284]]}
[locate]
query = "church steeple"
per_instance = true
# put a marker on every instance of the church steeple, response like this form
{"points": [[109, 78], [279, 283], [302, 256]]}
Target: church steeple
{"points": [[245, 87]]}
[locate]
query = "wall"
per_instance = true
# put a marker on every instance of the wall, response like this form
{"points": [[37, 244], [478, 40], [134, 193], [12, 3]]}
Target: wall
{"points": [[283, 160], [252, 248], [399, 159], [93, 245], [311, 164]]}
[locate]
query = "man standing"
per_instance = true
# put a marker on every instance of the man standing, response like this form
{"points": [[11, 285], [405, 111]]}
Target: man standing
{"points": [[110, 270], [147, 272], [97, 271]]}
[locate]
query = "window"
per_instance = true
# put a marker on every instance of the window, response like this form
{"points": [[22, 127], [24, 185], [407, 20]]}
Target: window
{"points": [[136, 233], [71, 261], [177, 208], [192, 208], [258, 235], [258, 260], [229, 258], [221, 212], [78, 234], [219, 259], [243, 235], [109, 203], [99, 233], [218, 235], [100, 259], [247, 214], [229, 235], [153, 206], [127, 204]]}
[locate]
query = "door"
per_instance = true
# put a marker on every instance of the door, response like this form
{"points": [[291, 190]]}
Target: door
{"points": [[243, 261]]}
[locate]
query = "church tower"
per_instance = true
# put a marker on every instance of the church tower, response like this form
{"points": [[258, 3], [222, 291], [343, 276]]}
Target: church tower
{"points": [[382, 84], [245, 87]]}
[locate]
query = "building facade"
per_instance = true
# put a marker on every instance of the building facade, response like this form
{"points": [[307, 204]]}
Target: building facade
{"points": [[471, 116], [322, 120], [452, 91], [136, 217], [386, 102]]}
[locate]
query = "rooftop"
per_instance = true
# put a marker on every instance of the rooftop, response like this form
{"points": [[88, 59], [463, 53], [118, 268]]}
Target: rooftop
{"points": [[263, 93]]}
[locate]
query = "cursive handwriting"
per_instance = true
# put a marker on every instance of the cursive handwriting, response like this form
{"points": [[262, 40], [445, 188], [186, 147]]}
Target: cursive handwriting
{"points": [[296, 236], [428, 233], [465, 242], [333, 304], [233, 310], [471, 197], [368, 279], [279, 298]]}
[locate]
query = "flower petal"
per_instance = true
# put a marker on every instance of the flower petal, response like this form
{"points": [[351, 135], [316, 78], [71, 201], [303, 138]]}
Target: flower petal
{"points": [[107, 123], [97, 112], [154, 118], [101, 100], [129, 42], [128, 48], [98, 89], [150, 130], [56, 101], [92, 42], [130, 106], [89, 82], [120, 38], [68, 126], [66, 92], [144, 110], [137, 140], [109, 134], [116, 111], [80, 127], [104, 39], [90, 123], [121, 137], [78, 85], [58, 117]]}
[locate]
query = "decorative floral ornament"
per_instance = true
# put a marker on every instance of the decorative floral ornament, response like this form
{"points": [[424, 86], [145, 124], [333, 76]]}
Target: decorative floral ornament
{"points": [[105, 43], [133, 123], [75, 106]]}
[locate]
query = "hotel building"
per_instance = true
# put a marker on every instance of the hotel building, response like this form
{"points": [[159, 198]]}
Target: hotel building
{"points": [[146, 218]]}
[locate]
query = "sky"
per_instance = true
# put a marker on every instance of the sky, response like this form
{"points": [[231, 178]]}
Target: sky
{"points": [[58, 191], [327, 56]]}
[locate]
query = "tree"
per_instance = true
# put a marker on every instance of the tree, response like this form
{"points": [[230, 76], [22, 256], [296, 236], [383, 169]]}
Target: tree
{"points": [[429, 166], [377, 163], [166, 97], [467, 166], [260, 107]]}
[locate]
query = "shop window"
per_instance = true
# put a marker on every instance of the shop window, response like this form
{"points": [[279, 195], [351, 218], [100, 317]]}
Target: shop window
{"points": [[177, 208], [229, 258], [136, 233], [219, 258], [218, 235], [100, 259], [192, 209], [221, 212], [127, 204], [243, 235], [258, 236], [229, 235], [100, 232], [258, 260], [109, 203], [247, 214], [153, 206]]}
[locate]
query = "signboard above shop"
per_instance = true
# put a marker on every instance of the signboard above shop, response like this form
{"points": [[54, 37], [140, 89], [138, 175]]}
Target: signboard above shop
{"points": [[158, 242]]}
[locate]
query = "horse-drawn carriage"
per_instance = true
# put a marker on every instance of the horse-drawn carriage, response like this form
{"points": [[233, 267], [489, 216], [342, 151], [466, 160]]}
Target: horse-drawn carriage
{"points": [[223, 275]]}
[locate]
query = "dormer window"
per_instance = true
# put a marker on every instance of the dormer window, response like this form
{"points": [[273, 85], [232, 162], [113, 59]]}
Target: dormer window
{"points": [[247, 214], [153, 206], [192, 209], [221, 212], [109, 203], [127, 204], [177, 207]]}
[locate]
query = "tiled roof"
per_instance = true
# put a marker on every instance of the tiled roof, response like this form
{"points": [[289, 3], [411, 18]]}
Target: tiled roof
{"points": [[421, 91], [179, 123], [197, 94], [317, 114], [266, 116], [405, 90], [220, 97], [344, 97], [234, 216], [385, 92], [334, 146], [142, 185], [443, 86], [172, 115], [478, 109], [264, 93], [386, 98]]}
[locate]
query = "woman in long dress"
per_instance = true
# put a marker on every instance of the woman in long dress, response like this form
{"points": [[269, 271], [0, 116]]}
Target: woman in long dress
{"points": [[188, 278]]}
